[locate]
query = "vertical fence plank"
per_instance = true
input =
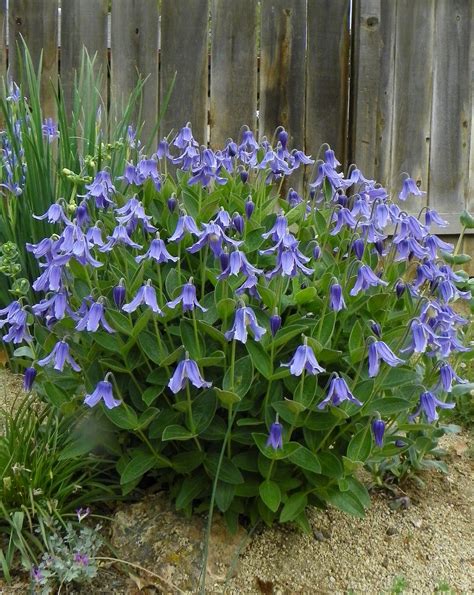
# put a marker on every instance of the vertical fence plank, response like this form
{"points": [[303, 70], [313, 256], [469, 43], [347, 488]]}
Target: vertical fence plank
{"points": [[134, 49], [233, 68], [282, 71], [451, 121], [184, 52], [83, 25], [372, 83], [37, 22], [3, 38], [412, 96], [327, 71]]}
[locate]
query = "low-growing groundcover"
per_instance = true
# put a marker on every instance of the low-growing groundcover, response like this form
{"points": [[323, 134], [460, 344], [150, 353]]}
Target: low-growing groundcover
{"points": [[252, 348]]}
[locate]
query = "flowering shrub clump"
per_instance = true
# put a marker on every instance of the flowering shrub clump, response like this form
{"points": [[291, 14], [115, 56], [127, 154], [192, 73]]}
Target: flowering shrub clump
{"points": [[254, 344]]}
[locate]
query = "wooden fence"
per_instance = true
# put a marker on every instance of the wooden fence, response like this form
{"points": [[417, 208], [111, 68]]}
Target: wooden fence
{"points": [[387, 83]]}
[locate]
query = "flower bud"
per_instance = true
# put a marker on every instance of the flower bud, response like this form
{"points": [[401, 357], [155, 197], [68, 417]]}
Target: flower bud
{"points": [[82, 216], [400, 288], [249, 207], [379, 247], [224, 259], [275, 323], [238, 223], [283, 138], [316, 252], [172, 203], [378, 429], [29, 378], [375, 326], [118, 293], [358, 248]]}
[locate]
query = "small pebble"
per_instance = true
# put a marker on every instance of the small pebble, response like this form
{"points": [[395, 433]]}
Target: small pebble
{"points": [[318, 535], [392, 531]]}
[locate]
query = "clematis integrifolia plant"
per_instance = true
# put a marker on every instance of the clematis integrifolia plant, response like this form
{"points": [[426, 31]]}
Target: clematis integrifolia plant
{"points": [[266, 338]]}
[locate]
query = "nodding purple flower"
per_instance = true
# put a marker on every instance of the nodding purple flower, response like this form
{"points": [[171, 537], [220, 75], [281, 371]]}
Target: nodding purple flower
{"points": [[60, 356], [14, 92], [378, 429], [283, 138], [148, 169], [275, 436], [214, 237], [163, 149], [28, 379], [223, 219], [358, 247], [50, 279], [244, 317], [132, 213], [378, 350], [337, 393], [94, 236], [118, 294], [421, 336], [409, 187], [250, 285], [82, 513], [428, 404], [104, 391], [433, 244], [400, 288], [336, 299], [244, 176], [185, 138], [238, 223], [446, 377], [54, 307], [432, 216], [304, 359], [10, 312], [249, 207], [238, 263], [50, 129], [93, 318], [101, 189], [145, 295], [187, 298], [54, 214], [293, 198], [278, 230], [365, 278], [158, 252], [275, 323], [172, 203], [18, 328], [289, 261], [186, 224], [224, 259], [187, 369], [300, 158], [119, 237], [343, 217]]}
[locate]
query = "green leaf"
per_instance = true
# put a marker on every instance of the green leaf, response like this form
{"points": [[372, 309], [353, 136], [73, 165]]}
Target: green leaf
{"points": [[270, 493], [213, 332], [260, 358], [120, 322], [176, 432], [191, 488], [227, 397], [55, 395], [356, 343], [305, 295], [272, 453], [173, 357], [185, 462], [400, 377], [285, 334], [455, 258], [190, 338], [122, 417], [216, 358], [359, 491], [225, 307], [150, 347], [347, 502], [228, 472], [204, 409], [293, 507], [360, 445], [462, 389], [109, 342], [467, 220], [225, 493], [327, 328], [24, 351], [331, 465], [243, 377], [173, 281], [305, 459], [386, 406], [151, 394], [137, 467]]}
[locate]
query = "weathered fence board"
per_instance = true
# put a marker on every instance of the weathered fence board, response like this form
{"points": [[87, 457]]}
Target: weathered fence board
{"points": [[37, 23], [451, 123], [282, 70], [83, 25], [184, 53], [3, 41], [327, 75], [233, 68], [134, 49]]}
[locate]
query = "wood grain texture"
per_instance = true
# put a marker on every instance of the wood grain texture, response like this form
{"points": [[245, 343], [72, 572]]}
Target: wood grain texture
{"points": [[233, 68], [282, 72], [327, 71], [37, 22], [83, 25], [184, 52], [412, 97], [134, 49], [450, 183], [3, 40]]}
